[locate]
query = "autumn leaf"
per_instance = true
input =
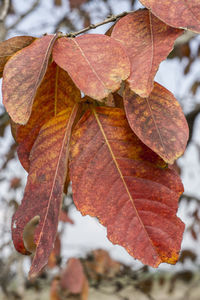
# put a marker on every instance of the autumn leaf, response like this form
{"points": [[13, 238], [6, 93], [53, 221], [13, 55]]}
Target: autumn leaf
{"points": [[56, 93], [177, 13], [73, 277], [101, 265], [44, 189], [9, 47], [55, 256], [55, 289], [147, 41], [158, 121], [117, 179], [96, 63], [22, 75], [76, 3], [65, 218]]}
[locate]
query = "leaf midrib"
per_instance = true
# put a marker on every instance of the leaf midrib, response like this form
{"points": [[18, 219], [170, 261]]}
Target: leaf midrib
{"points": [[122, 177]]}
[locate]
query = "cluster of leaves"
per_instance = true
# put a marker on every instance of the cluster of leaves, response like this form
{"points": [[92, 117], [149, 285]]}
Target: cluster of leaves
{"points": [[117, 143]]}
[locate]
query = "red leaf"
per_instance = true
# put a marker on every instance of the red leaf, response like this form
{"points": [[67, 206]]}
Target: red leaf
{"points": [[147, 41], [158, 121], [96, 63], [73, 276], [22, 76], [120, 181], [44, 189], [179, 13], [9, 47], [65, 218], [56, 93]]}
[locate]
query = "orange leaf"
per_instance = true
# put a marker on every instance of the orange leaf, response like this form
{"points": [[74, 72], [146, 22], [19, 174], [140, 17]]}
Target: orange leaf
{"points": [[158, 121], [55, 289], [147, 41], [56, 92], [10, 47], [117, 179], [177, 13], [44, 189], [96, 63], [22, 76], [73, 276]]}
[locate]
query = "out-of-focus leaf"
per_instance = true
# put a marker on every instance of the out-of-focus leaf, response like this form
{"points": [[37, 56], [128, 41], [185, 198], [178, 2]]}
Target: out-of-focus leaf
{"points": [[73, 277], [147, 41], [186, 276], [101, 264], [44, 189], [96, 63], [65, 218], [15, 183], [58, 2], [177, 13], [117, 179], [185, 254], [76, 3], [9, 47], [55, 289], [22, 76], [158, 121], [54, 258], [56, 92]]}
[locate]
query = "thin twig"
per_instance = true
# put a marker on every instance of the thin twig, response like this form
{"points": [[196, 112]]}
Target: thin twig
{"points": [[35, 4], [4, 10], [110, 19]]}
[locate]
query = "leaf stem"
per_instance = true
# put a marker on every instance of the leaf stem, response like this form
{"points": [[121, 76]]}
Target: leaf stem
{"points": [[109, 19]]}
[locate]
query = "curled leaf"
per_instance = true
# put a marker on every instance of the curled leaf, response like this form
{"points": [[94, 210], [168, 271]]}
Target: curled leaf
{"points": [[22, 76], [44, 189], [9, 47]]}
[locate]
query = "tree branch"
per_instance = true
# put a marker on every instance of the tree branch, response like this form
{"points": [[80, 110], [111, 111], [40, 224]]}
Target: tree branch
{"points": [[4, 10], [110, 19], [190, 197], [35, 4], [190, 117]]}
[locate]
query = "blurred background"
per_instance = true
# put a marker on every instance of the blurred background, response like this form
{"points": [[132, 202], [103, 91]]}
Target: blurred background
{"points": [[101, 270]]}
